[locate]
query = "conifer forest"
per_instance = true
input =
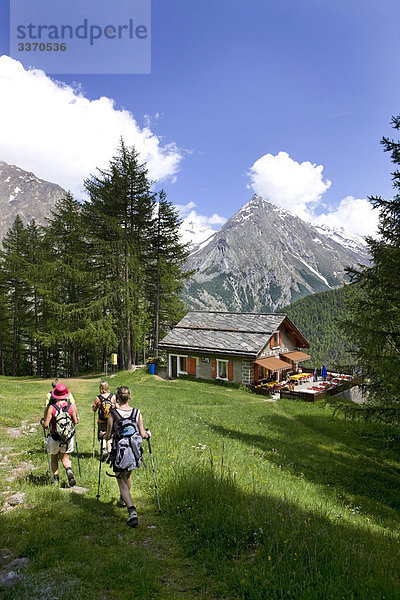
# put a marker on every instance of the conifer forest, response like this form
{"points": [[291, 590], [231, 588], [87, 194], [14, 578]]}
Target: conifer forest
{"points": [[103, 275]]}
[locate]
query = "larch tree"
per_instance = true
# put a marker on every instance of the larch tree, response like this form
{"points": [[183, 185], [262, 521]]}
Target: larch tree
{"points": [[166, 275], [118, 220], [33, 276], [15, 289], [67, 329]]}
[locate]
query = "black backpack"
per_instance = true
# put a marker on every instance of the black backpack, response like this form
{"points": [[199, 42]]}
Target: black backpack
{"points": [[105, 406], [126, 450]]}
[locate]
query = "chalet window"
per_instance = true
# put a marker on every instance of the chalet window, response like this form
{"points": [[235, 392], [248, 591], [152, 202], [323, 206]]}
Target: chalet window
{"points": [[182, 367], [222, 369], [275, 340], [177, 365]]}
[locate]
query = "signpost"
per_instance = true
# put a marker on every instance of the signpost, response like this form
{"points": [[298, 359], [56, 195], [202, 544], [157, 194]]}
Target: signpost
{"points": [[113, 364]]}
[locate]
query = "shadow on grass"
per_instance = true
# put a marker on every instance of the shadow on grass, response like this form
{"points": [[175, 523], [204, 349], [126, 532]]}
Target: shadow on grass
{"points": [[256, 546], [244, 544], [79, 548], [291, 443], [38, 479]]}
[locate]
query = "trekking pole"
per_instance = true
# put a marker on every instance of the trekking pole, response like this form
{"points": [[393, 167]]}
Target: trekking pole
{"points": [[94, 427], [48, 457], [77, 454], [98, 485], [154, 473]]}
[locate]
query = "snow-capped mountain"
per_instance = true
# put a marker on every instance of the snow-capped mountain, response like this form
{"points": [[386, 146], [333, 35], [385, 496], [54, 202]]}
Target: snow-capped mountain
{"points": [[264, 258], [25, 194], [194, 233], [344, 238]]}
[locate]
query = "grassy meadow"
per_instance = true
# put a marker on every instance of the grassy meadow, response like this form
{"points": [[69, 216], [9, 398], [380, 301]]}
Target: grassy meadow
{"points": [[259, 500]]}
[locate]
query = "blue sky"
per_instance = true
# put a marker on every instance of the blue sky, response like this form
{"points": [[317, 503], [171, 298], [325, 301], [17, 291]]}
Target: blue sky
{"points": [[232, 82]]}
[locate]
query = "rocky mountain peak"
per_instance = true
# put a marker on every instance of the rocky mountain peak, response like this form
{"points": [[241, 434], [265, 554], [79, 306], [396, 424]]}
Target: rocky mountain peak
{"points": [[21, 192], [264, 258]]}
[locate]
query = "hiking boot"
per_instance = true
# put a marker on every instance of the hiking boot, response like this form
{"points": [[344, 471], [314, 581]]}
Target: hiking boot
{"points": [[56, 478], [71, 478], [133, 517], [121, 502]]}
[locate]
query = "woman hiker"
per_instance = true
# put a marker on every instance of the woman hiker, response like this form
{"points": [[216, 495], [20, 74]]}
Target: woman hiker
{"points": [[60, 405], [123, 413], [104, 402]]}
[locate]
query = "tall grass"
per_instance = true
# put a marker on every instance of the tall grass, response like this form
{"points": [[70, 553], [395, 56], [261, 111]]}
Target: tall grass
{"points": [[260, 501]]}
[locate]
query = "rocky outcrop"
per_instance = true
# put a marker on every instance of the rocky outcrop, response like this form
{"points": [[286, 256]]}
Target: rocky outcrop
{"points": [[24, 194]]}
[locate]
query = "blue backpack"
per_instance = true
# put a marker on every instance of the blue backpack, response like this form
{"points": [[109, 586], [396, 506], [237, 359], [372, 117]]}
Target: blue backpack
{"points": [[126, 449]]}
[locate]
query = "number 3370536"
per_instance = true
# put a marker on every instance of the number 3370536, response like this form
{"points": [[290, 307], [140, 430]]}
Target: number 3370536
{"points": [[41, 47]]}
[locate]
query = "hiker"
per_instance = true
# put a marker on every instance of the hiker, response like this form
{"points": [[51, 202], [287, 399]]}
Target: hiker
{"points": [[125, 426], [53, 385], [48, 397], [61, 415], [104, 402]]}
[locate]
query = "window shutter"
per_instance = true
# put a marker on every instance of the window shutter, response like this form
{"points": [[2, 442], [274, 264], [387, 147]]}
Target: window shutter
{"points": [[255, 372], [230, 370], [214, 368], [272, 342], [280, 338], [191, 367]]}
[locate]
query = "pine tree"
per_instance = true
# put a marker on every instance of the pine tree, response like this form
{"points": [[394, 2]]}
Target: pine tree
{"points": [[15, 290], [71, 309], [166, 274], [118, 223], [5, 329], [374, 300], [33, 276]]}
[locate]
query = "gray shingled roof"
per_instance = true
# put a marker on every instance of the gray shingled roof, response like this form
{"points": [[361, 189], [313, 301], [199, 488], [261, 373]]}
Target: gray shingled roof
{"points": [[242, 334]]}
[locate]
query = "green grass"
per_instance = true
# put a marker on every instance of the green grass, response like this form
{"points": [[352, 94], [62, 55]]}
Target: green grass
{"points": [[260, 501]]}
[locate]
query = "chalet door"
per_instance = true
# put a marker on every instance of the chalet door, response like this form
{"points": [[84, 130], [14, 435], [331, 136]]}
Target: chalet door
{"points": [[174, 367]]}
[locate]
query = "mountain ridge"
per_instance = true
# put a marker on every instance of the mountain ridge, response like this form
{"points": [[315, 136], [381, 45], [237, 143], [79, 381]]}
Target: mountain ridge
{"points": [[261, 259], [22, 193], [264, 258]]}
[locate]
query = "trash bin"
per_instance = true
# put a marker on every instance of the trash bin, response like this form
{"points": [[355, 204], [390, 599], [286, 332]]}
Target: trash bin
{"points": [[152, 369]]}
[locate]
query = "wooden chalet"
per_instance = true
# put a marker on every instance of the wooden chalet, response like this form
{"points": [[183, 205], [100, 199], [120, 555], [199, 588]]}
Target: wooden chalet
{"points": [[237, 347]]}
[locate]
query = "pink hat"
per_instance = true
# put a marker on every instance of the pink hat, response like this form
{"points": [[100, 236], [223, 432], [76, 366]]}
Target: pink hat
{"points": [[60, 392]]}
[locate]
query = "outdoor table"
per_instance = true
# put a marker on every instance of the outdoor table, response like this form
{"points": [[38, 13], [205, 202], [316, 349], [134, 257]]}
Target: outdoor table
{"points": [[300, 376]]}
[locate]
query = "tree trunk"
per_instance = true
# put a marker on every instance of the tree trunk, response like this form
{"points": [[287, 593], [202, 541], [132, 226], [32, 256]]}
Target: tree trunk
{"points": [[14, 353], [128, 320], [76, 359], [38, 365], [134, 355], [121, 353], [31, 356], [157, 315]]}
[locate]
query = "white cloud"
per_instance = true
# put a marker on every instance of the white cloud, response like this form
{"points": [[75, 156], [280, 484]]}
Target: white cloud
{"points": [[184, 209], [287, 183], [299, 188], [196, 228], [52, 129], [353, 214]]}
